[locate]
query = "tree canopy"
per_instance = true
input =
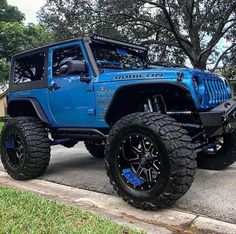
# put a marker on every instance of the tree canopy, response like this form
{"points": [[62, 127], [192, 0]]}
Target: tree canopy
{"points": [[15, 36], [174, 29], [10, 13]]}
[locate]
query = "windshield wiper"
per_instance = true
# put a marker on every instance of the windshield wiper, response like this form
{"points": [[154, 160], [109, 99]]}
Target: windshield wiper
{"points": [[111, 66]]}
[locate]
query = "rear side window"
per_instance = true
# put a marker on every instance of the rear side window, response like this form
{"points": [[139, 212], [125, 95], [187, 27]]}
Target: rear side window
{"points": [[62, 56], [29, 68]]}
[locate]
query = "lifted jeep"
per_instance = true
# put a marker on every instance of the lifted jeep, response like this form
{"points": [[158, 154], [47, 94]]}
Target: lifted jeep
{"points": [[152, 124]]}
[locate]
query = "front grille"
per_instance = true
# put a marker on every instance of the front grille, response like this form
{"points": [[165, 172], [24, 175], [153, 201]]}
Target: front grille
{"points": [[216, 90]]}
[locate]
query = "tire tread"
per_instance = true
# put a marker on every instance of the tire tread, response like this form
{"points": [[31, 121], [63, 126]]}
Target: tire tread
{"points": [[180, 151], [37, 147]]}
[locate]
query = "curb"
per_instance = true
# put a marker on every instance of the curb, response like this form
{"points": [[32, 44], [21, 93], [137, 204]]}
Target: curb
{"points": [[163, 221]]}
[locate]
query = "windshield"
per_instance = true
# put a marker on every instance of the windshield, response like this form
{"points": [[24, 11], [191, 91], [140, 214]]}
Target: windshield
{"points": [[116, 57]]}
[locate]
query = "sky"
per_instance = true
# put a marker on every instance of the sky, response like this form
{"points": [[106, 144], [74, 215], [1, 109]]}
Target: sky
{"points": [[29, 8]]}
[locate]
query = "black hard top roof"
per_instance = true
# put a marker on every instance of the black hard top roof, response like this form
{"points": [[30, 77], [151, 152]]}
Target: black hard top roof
{"points": [[95, 38], [42, 48]]}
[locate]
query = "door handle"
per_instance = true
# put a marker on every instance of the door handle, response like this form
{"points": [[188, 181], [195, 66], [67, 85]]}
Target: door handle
{"points": [[54, 86]]}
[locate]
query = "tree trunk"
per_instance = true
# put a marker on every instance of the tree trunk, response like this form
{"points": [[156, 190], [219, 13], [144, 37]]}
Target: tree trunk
{"points": [[199, 63]]}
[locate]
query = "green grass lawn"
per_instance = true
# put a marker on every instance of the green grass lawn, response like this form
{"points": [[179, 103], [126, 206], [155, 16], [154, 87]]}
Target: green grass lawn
{"points": [[23, 212]]}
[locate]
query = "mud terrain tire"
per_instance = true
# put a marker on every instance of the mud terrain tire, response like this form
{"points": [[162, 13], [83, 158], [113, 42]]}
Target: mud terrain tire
{"points": [[178, 161], [25, 148]]}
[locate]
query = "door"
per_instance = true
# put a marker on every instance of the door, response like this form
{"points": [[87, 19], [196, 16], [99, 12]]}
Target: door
{"points": [[71, 101]]}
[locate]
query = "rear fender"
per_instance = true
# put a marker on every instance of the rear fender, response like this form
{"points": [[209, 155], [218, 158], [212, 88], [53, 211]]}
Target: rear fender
{"points": [[26, 107]]}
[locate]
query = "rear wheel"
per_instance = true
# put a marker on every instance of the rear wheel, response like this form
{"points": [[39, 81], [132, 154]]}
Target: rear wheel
{"points": [[95, 148], [25, 148], [149, 160], [221, 155]]}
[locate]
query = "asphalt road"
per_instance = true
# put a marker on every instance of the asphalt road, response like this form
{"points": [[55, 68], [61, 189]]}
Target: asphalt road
{"points": [[213, 193]]}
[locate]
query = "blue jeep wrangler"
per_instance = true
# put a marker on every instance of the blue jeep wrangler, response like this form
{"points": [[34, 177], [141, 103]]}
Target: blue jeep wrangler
{"points": [[152, 124]]}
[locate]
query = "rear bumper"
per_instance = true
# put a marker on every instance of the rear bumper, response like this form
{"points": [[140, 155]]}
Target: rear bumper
{"points": [[221, 119]]}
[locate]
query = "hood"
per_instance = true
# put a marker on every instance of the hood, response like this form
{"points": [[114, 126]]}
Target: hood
{"points": [[152, 73]]}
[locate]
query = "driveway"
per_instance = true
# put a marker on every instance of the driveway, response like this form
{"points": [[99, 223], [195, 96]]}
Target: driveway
{"points": [[212, 194]]}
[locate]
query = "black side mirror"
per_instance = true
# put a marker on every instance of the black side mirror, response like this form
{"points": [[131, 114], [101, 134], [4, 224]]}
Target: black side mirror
{"points": [[76, 67], [85, 79]]}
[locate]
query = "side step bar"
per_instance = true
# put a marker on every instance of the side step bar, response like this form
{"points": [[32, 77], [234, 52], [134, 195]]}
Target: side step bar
{"points": [[80, 133]]}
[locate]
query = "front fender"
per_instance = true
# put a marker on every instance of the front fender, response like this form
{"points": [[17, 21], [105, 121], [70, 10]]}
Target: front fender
{"points": [[127, 98]]}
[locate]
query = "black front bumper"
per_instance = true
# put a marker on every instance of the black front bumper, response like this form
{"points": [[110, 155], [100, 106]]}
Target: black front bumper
{"points": [[221, 119]]}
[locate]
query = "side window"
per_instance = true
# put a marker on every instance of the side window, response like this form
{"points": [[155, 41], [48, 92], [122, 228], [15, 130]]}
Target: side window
{"points": [[62, 56], [29, 68]]}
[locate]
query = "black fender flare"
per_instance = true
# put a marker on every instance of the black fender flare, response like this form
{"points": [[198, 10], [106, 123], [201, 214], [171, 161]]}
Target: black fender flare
{"points": [[123, 89], [34, 103]]}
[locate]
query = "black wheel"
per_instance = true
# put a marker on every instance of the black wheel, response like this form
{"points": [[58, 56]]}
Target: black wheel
{"points": [[25, 148], [95, 148], [149, 160], [221, 155]]}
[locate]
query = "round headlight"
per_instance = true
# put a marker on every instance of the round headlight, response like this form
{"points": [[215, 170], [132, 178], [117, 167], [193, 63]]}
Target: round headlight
{"points": [[195, 83]]}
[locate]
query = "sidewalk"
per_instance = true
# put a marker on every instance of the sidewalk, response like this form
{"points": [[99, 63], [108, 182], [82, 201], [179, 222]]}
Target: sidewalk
{"points": [[165, 221]]}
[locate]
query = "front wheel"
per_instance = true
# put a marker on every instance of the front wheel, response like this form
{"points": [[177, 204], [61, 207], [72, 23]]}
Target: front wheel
{"points": [[221, 155], [149, 160]]}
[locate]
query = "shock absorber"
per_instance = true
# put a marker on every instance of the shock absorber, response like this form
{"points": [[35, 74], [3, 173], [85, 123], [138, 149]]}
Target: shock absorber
{"points": [[148, 107], [158, 104]]}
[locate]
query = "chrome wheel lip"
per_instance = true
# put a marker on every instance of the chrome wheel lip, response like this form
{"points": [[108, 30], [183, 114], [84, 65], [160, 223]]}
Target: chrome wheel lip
{"points": [[144, 165]]}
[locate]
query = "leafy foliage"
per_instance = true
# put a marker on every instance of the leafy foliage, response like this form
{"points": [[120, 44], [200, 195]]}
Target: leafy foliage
{"points": [[4, 71], [67, 18], [10, 13], [229, 64], [174, 29], [229, 57], [16, 37]]}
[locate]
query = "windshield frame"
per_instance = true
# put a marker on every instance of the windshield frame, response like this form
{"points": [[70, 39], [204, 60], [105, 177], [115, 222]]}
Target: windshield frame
{"points": [[86, 42]]}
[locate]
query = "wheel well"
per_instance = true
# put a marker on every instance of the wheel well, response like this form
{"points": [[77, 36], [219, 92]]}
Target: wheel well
{"points": [[131, 98], [26, 107]]}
